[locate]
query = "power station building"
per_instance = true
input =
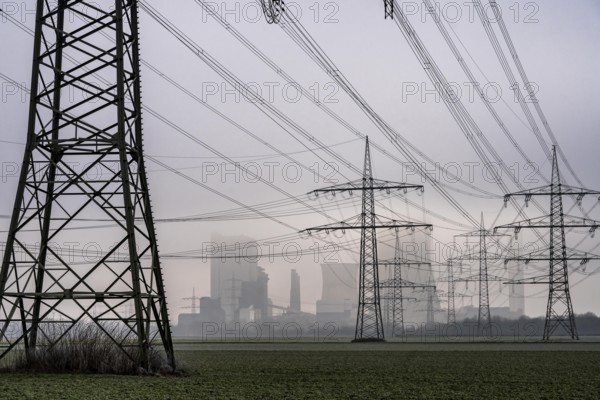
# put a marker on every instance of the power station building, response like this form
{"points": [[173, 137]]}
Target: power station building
{"points": [[237, 282], [338, 303]]}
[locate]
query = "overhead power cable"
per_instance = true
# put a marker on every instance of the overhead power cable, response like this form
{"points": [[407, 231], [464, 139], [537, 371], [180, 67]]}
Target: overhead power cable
{"points": [[299, 35], [307, 94], [530, 88]]}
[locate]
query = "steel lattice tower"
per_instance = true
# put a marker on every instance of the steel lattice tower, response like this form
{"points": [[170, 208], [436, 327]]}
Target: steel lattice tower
{"points": [[484, 318], [84, 162], [393, 288], [451, 287], [559, 311], [369, 322], [394, 285], [430, 316], [397, 300], [369, 310], [389, 8]]}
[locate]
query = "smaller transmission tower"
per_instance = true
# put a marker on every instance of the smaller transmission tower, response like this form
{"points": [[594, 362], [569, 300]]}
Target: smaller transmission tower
{"points": [[393, 288], [194, 300], [451, 281], [430, 316], [484, 317], [451, 287], [369, 324], [559, 312]]}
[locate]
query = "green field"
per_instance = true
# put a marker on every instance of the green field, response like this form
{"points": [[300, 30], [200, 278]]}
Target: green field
{"points": [[343, 371]]}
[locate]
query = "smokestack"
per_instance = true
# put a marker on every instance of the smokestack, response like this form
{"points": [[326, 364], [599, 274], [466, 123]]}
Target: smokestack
{"points": [[295, 292]]}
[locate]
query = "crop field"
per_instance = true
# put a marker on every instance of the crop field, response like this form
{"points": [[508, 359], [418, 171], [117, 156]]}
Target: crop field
{"points": [[239, 370]]}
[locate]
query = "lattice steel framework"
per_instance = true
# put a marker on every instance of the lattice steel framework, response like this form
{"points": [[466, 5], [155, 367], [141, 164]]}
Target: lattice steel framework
{"points": [[393, 289], [484, 317], [430, 317], [451, 287], [389, 8], [559, 310], [369, 324], [397, 300], [83, 162], [393, 286], [272, 10]]}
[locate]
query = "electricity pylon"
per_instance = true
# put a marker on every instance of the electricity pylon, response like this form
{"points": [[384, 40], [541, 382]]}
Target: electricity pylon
{"points": [[451, 281], [484, 317], [389, 8], [272, 10], [84, 162], [393, 288], [369, 324], [194, 299], [451, 287], [559, 311]]}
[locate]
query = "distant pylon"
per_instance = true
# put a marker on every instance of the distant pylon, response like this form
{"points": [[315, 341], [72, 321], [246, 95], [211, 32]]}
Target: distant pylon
{"points": [[430, 320], [194, 299], [392, 288], [83, 161], [484, 319], [451, 287], [397, 300], [369, 323]]}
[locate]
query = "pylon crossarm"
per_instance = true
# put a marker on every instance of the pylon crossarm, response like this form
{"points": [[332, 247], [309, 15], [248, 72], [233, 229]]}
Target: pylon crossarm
{"points": [[536, 280], [403, 262], [472, 278], [527, 260], [565, 190], [405, 284], [475, 256], [478, 233], [545, 222], [528, 195], [355, 223], [403, 299], [373, 184]]}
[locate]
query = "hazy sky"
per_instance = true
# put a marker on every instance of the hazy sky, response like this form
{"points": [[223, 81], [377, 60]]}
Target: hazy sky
{"points": [[557, 43]]}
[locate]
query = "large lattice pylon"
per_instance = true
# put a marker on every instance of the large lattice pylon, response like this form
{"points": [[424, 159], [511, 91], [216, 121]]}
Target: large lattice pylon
{"points": [[559, 310], [369, 322], [83, 165]]}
